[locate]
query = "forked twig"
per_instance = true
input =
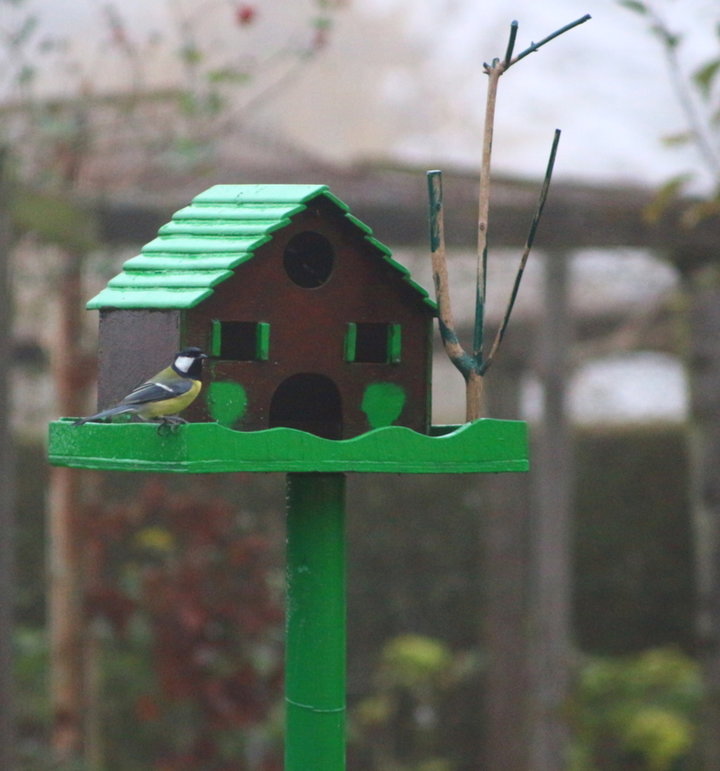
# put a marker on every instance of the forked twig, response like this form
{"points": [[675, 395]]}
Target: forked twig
{"points": [[466, 363], [474, 365]]}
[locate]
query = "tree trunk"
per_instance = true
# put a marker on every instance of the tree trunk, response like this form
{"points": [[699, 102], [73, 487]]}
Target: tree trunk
{"points": [[65, 534], [703, 292], [552, 480]]}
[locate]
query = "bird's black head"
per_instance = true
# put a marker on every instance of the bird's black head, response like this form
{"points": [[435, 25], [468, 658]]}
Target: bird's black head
{"points": [[188, 362]]}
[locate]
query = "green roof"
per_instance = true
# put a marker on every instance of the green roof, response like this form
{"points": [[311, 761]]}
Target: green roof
{"points": [[205, 241]]}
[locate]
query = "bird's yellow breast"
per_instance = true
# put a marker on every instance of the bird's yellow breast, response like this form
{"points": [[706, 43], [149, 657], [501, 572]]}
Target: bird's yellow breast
{"points": [[173, 405]]}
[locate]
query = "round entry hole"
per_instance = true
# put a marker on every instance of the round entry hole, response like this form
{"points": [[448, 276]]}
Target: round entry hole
{"points": [[308, 259]]}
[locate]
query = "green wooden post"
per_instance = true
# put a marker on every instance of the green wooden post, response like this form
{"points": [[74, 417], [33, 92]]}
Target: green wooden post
{"points": [[315, 640]]}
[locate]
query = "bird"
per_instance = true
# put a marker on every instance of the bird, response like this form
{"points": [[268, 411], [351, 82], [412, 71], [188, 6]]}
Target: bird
{"points": [[162, 396]]}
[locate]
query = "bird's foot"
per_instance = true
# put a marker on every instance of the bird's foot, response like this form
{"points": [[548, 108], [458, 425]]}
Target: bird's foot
{"points": [[169, 424]]}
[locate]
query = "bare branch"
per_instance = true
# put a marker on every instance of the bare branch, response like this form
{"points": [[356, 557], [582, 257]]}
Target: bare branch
{"points": [[494, 71], [511, 43], [526, 253], [535, 46], [698, 127], [473, 366], [452, 345]]}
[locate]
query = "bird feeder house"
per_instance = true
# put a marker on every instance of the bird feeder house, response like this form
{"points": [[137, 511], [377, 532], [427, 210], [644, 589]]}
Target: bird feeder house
{"points": [[308, 321], [320, 364], [309, 325]]}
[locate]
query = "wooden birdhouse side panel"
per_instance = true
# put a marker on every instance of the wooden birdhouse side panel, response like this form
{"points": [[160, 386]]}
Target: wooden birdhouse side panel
{"points": [[134, 345], [345, 346]]}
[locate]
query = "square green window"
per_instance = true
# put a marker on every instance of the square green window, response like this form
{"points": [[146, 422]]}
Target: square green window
{"points": [[240, 340], [373, 343]]}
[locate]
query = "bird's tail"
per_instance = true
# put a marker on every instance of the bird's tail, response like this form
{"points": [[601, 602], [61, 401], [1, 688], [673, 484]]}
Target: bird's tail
{"points": [[118, 410]]}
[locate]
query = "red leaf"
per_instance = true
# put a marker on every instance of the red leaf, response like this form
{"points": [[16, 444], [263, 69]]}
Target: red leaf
{"points": [[245, 14]]}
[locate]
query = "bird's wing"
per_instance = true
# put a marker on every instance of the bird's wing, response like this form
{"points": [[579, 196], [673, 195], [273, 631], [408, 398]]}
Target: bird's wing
{"points": [[157, 391]]}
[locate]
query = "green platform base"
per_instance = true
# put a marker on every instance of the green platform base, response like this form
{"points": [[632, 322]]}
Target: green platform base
{"points": [[198, 448]]}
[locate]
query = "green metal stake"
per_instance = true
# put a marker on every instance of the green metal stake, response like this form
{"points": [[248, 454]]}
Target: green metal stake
{"points": [[315, 642]]}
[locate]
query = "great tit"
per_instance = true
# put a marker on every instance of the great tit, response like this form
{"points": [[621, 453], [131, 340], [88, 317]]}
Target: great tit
{"points": [[164, 395]]}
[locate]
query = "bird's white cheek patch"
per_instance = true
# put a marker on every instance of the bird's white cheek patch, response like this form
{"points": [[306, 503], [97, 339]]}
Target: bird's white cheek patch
{"points": [[183, 363]]}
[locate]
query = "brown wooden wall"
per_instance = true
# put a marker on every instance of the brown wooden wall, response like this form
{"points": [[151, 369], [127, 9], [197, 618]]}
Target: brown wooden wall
{"points": [[308, 326]]}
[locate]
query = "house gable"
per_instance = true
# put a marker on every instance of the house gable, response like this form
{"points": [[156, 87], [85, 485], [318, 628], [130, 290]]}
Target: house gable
{"points": [[222, 228]]}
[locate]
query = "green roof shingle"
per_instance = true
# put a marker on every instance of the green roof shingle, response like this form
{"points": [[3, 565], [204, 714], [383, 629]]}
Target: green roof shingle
{"points": [[205, 241]]}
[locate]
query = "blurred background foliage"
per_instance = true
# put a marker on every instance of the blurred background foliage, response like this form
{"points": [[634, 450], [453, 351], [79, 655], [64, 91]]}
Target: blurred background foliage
{"points": [[185, 559], [636, 711]]}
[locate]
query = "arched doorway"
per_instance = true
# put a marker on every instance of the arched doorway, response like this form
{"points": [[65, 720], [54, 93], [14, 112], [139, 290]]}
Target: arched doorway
{"points": [[310, 403]]}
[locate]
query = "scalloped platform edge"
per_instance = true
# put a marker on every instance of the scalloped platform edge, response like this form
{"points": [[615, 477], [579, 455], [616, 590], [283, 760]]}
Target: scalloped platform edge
{"points": [[484, 446]]}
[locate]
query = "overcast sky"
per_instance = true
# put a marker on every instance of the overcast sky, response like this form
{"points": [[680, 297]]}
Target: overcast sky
{"points": [[403, 78], [605, 83]]}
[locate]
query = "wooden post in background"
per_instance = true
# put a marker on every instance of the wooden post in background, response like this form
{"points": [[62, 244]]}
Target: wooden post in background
{"points": [[505, 532], [7, 482], [703, 296], [66, 623], [551, 476]]}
